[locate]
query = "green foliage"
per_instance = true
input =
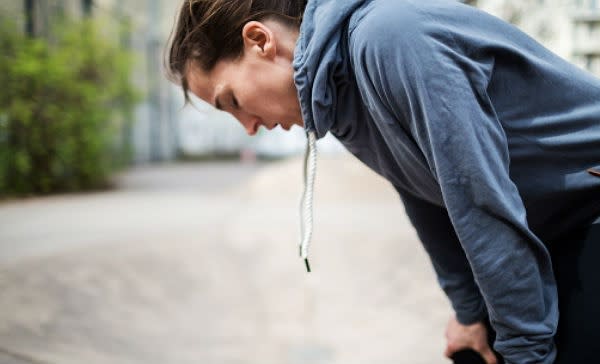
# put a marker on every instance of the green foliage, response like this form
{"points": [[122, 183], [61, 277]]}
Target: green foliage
{"points": [[63, 104]]}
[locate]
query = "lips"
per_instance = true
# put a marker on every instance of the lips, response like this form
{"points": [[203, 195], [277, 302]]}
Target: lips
{"points": [[256, 126]]}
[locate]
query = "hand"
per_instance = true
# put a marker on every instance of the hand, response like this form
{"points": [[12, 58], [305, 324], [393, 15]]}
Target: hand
{"points": [[475, 337]]}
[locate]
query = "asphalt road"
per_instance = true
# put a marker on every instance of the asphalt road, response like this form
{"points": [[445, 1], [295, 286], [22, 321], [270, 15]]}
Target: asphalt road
{"points": [[197, 263]]}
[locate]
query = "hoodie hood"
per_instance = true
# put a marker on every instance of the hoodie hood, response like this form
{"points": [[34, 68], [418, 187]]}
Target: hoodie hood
{"points": [[320, 63]]}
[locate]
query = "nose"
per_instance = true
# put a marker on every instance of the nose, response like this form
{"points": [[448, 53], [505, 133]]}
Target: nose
{"points": [[249, 122]]}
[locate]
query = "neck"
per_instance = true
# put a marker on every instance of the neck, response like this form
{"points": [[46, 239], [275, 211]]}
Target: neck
{"points": [[286, 39]]}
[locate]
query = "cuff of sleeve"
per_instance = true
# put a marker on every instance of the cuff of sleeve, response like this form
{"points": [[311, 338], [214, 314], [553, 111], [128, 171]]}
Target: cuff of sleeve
{"points": [[471, 316]]}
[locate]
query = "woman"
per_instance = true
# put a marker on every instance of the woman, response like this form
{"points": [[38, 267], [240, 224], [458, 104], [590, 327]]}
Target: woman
{"points": [[486, 136]]}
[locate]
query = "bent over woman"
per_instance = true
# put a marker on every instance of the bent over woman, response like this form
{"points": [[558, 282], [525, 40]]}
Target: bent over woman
{"points": [[490, 140]]}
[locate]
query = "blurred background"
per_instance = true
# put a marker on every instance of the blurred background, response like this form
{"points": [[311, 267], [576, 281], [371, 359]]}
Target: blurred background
{"points": [[136, 230]]}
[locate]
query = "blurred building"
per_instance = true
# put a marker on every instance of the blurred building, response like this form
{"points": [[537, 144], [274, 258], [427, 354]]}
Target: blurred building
{"points": [[571, 28], [154, 133], [586, 34]]}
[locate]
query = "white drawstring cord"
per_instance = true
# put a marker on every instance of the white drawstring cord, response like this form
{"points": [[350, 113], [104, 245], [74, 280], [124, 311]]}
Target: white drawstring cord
{"points": [[306, 203]]}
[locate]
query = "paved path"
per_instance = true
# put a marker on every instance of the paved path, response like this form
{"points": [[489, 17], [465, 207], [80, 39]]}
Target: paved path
{"points": [[198, 264]]}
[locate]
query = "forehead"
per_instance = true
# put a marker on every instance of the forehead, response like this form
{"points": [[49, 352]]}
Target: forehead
{"points": [[201, 83], [207, 85]]}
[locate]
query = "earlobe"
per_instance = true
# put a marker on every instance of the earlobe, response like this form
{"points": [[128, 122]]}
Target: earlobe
{"points": [[258, 37]]}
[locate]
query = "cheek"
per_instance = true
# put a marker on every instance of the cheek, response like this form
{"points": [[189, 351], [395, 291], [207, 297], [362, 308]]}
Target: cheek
{"points": [[268, 94]]}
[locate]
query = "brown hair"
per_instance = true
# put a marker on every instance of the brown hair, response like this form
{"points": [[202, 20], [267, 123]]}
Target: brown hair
{"points": [[208, 31]]}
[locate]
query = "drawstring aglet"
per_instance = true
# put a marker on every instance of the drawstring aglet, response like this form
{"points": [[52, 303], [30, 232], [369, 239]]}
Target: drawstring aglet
{"points": [[306, 263]]}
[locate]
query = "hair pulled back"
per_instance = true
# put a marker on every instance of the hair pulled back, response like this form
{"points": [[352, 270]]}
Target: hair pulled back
{"points": [[208, 31]]}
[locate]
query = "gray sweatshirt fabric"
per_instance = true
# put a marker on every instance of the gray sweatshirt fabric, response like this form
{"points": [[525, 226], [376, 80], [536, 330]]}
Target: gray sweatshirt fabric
{"points": [[485, 134]]}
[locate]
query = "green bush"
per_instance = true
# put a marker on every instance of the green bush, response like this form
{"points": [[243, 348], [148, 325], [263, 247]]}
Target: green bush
{"points": [[63, 103]]}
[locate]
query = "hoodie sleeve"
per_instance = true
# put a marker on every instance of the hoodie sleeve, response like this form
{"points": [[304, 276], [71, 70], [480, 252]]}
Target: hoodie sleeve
{"points": [[447, 257], [411, 72]]}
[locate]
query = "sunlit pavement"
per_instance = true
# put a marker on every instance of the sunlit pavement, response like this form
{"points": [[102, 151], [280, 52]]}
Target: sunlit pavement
{"points": [[195, 263]]}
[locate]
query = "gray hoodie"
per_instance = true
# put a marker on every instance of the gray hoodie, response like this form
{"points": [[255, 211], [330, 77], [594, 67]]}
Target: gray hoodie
{"points": [[485, 134]]}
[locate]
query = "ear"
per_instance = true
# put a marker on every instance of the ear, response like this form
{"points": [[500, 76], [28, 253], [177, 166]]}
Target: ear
{"points": [[259, 38]]}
